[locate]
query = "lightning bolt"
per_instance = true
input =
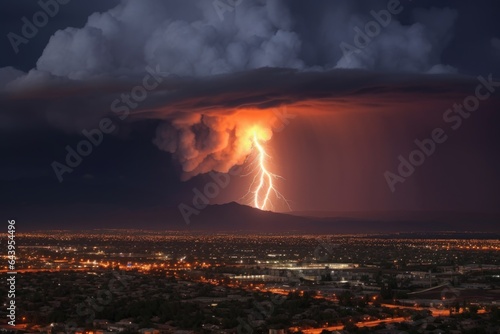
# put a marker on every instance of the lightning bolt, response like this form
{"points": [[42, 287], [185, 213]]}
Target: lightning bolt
{"points": [[263, 180]]}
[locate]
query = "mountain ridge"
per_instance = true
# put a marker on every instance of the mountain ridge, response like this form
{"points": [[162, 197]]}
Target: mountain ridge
{"points": [[235, 217]]}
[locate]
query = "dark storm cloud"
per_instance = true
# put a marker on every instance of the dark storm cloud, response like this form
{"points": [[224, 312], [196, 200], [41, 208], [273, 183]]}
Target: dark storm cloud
{"points": [[71, 106], [260, 55], [205, 119], [194, 38], [69, 14]]}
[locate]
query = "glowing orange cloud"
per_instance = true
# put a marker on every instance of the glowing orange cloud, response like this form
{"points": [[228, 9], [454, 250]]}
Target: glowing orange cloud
{"points": [[203, 143]]}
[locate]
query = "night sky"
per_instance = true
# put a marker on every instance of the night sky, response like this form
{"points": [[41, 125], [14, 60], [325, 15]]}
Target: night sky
{"points": [[334, 122]]}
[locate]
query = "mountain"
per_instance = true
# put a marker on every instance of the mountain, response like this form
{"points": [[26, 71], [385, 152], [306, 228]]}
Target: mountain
{"points": [[234, 217], [237, 217]]}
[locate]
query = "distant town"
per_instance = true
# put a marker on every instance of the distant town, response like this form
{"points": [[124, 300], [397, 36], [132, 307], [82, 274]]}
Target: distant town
{"points": [[130, 281]]}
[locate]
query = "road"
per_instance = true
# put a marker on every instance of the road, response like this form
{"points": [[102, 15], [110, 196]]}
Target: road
{"points": [[14, 328], [435, 311], [371, 323], [39, 270]]}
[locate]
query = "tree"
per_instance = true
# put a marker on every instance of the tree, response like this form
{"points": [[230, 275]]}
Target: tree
{"points": [[350, 327], [473, 309]]}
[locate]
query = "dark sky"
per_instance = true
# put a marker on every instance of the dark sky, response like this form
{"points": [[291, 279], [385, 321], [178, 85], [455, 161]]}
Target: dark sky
{"points": [[353, 114]]}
